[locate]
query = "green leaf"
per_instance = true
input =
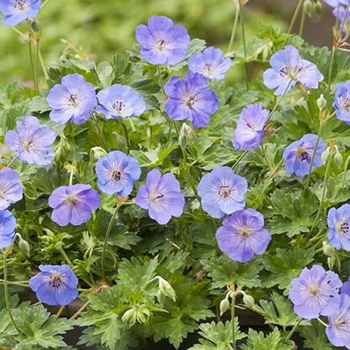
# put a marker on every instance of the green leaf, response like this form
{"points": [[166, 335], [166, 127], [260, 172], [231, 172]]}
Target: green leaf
{"points": [[272, 341], [295, 212], [135, 275], [217, 336], [285, 265], [39, 328], [278, 311], [224, 272], [38, 104], [315, 336]]}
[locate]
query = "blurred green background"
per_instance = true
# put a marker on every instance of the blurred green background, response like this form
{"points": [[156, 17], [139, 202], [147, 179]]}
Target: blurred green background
{"points": [[100, 29]]}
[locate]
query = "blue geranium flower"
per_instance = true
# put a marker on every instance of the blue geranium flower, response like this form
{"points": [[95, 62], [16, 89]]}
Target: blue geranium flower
{"points": [[7, 228], [162, 41], [315, 292], [298, 155], [31, 141], [116, 173], [250, 127], [342, 102], [210, 63], [338, 329], [120, 101], [73, 204], [338, 221], [55, 285], [74, 99], [16, 11], [222, 192], [242, 235], [190, 98], [162, 196], [11, 188], [336, 3], [343, 17], [288, 69]]}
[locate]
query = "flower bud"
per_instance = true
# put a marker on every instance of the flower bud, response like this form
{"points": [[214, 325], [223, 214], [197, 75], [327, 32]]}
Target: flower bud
{"points": [[248, 300], [129, 316], [325, 155], [97, 152], [224, 306], [186, 135], [35, 25], [321, 102], [308, 7], [318, 7], [330, 262], [166, 289], [338, 160], [23, 245], [328, 250]]}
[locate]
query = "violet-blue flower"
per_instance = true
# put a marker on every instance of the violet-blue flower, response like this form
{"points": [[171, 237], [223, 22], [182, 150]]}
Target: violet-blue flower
{"points": [[162, 196], [288, 68], [222, 192], [190, 98], [336, 3], [16, 11], [298, 155], [343, 17], [55, 284], [250, 127], [7, 228], [74, 99], [31, 141], [338, 221], [73, 204], [210, 63], [11, 188], [162, 41], [120, 101], [342, 102], [116, 173], [338, 330], [315, 292], [242, 235]]}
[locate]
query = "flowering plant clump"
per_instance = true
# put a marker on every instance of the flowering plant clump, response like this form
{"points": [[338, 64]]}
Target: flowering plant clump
{"points": [[175, 186]]}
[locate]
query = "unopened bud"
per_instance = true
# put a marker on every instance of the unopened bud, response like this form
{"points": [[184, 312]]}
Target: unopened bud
{"points": [[248, 300], [318, 7], [97, 152], [330, 262], [186, 135], [338, 160], [308, 7], [23, 245], [166, 289], [328, 250], [321, 102], [35, 25], [224, 306], [325, 155]]}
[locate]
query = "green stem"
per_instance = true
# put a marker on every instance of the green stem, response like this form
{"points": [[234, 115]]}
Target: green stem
{"points": [[293, 330], [244, 44], [295, 16], [280, 99], [323, 323], [109, 228], [11, 162], [313, 158], [234, 29], [233, 302], [302, 23], [239, 159], [80, 311], [125, 133], [161, 81], [264, 154], [65, 256], [345, 170], [44, 3], [6, 292], [41, 60], [323, 195], [330, 71], [59, 312]]}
